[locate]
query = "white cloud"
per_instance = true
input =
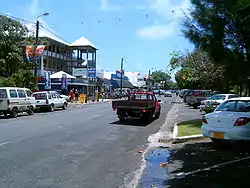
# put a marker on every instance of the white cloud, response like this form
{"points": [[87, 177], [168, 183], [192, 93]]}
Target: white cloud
{"points": [[170, 13], [32, 11], [105, 5], [157, 31]]}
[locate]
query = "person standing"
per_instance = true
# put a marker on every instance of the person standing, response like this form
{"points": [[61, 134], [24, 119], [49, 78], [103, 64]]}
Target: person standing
{"points": [[71, 95], [76, 95]]}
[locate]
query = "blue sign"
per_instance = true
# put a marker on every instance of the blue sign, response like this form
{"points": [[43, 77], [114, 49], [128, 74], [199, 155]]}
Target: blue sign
{"points": [[47, 80], [118, 77], [64, 81], [92, 73]]}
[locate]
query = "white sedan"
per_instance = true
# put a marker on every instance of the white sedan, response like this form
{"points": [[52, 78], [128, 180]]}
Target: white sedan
{"points": [[229, 121], [216, 100]]}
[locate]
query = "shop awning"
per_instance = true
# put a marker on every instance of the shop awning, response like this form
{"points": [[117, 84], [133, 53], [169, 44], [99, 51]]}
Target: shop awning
{"points": [[60, 74]]}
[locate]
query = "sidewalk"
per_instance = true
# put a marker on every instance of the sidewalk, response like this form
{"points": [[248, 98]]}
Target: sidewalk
{"points": [[74, 104]]}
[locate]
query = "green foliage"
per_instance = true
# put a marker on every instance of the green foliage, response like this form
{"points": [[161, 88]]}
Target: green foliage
{"points": [[197, 70], [222, 29], [23, 78], [13, 38], [158, 76]]}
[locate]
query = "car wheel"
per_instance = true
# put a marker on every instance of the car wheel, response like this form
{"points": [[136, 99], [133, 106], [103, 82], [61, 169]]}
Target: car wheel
{"points": [[64, 106], [158, 114], [52, 108], [31, 110], [14, 113]]}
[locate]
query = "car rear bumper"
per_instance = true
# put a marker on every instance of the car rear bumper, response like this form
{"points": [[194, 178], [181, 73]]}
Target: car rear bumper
{"points": [[234, 133]]}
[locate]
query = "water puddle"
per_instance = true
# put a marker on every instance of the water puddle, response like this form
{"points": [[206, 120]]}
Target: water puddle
{"points": [[156, 172]]}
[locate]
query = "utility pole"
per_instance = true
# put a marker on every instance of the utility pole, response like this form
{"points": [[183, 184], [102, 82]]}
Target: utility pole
{"points": [[149, 72], [36, 43], [121, 74]]}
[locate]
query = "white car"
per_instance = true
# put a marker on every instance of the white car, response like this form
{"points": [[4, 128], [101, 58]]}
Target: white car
{"points": [[49, 100], [216, 100], [168, 94], [14, 100], [229, 121]]}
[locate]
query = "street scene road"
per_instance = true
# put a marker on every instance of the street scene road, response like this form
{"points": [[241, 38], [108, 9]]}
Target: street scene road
{"points": [[84, 146]]}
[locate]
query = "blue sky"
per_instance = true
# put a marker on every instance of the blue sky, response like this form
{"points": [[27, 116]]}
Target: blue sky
{"points": [[144, 31]]}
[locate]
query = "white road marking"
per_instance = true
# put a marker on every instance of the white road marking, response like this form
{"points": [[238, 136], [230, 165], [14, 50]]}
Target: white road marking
{"points": [[183, 174], [93, 117]]}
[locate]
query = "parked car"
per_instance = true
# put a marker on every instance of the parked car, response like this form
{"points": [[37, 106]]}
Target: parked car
{"points": [[211, 103], [14, 100], [194, 97], [168, 94], [229, 121], [49, 100], [139, 105]]}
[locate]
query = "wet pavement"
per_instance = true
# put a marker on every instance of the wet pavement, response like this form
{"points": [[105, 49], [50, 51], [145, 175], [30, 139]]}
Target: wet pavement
{"points": [[154, 174], [198, 164]]}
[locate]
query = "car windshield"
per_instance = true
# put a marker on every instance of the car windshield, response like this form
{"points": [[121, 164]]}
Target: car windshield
{"points": [[235, 106], [3, 93], [141, 97], [40, 96], [217, 97]]}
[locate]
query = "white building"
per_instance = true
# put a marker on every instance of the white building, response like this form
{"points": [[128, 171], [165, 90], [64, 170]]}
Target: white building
{"points": [[135, 78]]}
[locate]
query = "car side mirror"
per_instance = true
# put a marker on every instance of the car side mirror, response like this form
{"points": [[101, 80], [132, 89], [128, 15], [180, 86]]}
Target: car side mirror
{"points": [[158, 100]]}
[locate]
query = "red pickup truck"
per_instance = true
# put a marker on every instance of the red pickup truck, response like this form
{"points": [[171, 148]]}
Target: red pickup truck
{"points": [[138, 105]]}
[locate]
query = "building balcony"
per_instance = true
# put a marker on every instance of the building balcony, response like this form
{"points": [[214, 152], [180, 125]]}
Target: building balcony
{"points": [[58, 56]]}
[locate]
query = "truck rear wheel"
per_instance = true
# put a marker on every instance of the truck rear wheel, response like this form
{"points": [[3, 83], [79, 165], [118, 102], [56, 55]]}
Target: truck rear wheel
{"points": [[148, 118]]}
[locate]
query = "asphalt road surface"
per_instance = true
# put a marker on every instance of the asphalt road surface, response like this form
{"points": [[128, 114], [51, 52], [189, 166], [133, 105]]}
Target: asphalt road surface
{"points": [[80, 147]]}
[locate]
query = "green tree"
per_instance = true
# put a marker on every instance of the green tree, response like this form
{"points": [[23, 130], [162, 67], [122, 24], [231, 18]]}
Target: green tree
{"points": [[14, 68], [221, 28], [197, 70], [12, 46], [159, 76]]}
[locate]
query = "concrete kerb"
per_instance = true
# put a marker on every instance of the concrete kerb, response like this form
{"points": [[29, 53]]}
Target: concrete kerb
{"points": [[89, 103], [182, 139], [164, 137]]}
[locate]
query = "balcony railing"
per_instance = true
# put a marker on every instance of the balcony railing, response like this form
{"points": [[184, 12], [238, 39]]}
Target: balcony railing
{"points": [[58, 56]]}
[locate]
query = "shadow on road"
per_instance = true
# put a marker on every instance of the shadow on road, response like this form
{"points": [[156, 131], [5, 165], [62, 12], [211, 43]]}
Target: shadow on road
{"points": [[208, 165], [131, 122]]}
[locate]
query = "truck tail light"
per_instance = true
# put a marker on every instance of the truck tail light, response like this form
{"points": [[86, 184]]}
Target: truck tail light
{"points": [[144, 111], [115, 109], [242, 121], [204, 120]]}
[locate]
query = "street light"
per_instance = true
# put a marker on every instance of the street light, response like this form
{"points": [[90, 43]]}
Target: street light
{"points": [[37, 33], [149, 74], [121, 79]]}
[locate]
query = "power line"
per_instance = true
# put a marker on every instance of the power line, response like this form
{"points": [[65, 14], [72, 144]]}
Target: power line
{"points": [[27, 21], [54, 33], [16, 18]]}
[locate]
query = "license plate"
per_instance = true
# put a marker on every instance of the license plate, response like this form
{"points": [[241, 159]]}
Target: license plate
{"points": [[218, 135]]}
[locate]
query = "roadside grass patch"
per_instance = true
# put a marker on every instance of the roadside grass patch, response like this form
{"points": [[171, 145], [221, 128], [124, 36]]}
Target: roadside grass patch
{"points": [[188, 128]]}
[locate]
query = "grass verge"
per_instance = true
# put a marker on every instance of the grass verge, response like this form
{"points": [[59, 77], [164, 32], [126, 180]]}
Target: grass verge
{"points": [[188, 128]]}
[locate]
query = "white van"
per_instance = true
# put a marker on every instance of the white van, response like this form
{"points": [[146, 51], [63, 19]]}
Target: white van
{"points": [[14, 100]]}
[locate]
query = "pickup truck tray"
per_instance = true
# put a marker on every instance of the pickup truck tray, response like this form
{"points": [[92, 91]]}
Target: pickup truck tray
{"points": [[127, 104]]}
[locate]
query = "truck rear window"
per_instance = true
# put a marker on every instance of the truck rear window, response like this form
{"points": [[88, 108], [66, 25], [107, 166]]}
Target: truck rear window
{"points": [[141, 97], [40, 96], [3, 93]]}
